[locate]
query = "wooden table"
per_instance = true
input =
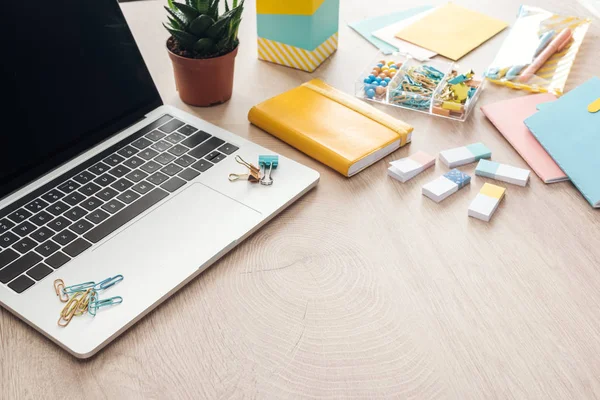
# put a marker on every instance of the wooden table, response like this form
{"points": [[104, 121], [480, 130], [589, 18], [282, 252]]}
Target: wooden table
{"points": [[364, 288]]}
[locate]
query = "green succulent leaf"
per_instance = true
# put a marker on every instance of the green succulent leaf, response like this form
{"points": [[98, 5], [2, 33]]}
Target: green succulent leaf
{"points": [[202, 6], [185, 39], [204, 45], [226, 6], [199, 26], [190, 12], [177, 16], [171, 5], [173, 23], [213, 9]]}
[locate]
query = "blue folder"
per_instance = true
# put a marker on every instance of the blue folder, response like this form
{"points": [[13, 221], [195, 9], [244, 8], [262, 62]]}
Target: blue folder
{"points": [[571, 135]]}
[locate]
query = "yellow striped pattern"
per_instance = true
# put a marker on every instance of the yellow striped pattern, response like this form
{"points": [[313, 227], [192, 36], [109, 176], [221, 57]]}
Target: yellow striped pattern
{"points": [[294, 57], [552, 76]]}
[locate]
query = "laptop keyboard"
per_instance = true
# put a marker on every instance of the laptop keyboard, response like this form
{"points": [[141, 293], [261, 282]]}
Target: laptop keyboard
{"points": [[48, 228]]}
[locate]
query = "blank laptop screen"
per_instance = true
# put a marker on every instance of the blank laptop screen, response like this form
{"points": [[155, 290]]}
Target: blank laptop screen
{"points": [[72, 76]]}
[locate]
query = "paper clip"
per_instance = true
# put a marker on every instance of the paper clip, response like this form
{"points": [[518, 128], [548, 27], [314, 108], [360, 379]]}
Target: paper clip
{"points": [[76, 306], [59, 286], [267, 161], [96, 303], [246, 164], [247, 177], [254, 172], [108, 282], [78, 288]]}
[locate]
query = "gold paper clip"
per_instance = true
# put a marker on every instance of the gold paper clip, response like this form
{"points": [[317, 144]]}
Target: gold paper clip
{"points": [[76, 306], [251, 167], [252, 176], [59, 285]]}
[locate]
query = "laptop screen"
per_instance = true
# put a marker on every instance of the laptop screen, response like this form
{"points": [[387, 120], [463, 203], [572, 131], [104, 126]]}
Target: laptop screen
{"points": [[72, 77]]}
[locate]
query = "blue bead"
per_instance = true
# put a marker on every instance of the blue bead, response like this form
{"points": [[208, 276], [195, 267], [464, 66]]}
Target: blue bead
{"points": [[371, 77], [387, 79], [367, 80], [384, 83], [378, 79], [370, 93], [380, 65]]}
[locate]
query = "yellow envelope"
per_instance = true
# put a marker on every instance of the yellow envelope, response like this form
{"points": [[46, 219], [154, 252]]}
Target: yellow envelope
{"points": [[452, 31]]}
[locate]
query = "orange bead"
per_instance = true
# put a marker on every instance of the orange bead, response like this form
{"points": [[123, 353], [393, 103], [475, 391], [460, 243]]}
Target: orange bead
{"points": [[382, 75], [380, 90], [392, 73], [378, 70]]}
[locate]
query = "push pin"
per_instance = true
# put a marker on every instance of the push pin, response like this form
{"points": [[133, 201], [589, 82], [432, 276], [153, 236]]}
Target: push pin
{"points": [[265, 162]]}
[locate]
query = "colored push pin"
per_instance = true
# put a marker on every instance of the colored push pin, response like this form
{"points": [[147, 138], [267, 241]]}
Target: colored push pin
{"points": [[267, 161]]}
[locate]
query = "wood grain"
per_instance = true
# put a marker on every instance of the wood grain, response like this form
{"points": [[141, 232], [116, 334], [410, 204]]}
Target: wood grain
{"points": [[364, 288]]}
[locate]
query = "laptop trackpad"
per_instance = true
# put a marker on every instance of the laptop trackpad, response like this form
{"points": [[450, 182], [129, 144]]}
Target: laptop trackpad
{"points": [[179, 236]]}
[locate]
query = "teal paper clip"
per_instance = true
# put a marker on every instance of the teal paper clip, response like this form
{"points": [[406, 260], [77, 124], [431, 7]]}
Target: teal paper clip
{"points": [[265, 162], [82, 287], [108, 282], [96, 303]]}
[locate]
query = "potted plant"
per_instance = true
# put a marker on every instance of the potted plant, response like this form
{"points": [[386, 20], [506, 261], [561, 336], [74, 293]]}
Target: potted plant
{"points": [[202, 48]]}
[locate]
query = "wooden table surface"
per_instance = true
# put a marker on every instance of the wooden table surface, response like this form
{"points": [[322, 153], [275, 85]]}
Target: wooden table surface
{"points": [[364, 288]]}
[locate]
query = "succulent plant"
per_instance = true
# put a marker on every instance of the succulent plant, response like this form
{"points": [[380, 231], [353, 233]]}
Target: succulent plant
{"points": [[198, 28]]}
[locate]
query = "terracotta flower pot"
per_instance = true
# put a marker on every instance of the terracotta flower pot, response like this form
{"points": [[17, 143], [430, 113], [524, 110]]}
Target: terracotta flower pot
{"points": [[204, 82]]}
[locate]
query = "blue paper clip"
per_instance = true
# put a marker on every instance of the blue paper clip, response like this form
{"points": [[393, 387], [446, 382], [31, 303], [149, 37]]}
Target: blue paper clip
{"points": [[265, 162], [78, 288], [108, 282], [96, 303]]}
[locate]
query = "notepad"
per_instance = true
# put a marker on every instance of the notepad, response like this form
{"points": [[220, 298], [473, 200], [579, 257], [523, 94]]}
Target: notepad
{"points": [[486, 202], [407, 168], [464, 155], [446, 185], [508, 116], [452, 31], [502, 172], [366, 27], [570, 133]]}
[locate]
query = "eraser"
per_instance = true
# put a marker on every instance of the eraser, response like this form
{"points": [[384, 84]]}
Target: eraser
{"points": [[446, 185], [411, 166], [486, 202], [464, 155], [503, 172]]}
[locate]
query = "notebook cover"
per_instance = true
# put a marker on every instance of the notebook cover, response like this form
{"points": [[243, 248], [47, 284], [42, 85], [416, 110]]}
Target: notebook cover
{"points": [[329, 125], [508, 116], [571, 135], [452, 31]]}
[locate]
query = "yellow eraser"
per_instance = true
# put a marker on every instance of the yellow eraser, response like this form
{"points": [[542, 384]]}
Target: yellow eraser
{"points": [[448, 105], [497, 192]]}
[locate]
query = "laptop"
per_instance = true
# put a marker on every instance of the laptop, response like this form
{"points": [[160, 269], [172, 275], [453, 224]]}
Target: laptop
{"points": [[98, 178]]}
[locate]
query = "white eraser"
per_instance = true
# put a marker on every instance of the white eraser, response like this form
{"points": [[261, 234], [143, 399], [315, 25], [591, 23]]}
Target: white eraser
{"points": [[486, 202], [503, 172], [464, 155], [444, 186], [409, 167]]}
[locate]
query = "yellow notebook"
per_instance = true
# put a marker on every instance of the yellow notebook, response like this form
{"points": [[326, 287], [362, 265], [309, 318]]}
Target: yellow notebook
{"points": [[330, 126]]}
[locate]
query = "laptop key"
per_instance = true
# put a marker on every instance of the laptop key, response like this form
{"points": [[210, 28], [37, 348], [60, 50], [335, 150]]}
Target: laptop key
{"points": [[89, 188], [175, 138], [77, 247], [97, 216], [171, 169], [75, 213], [65, 237], [5, 225], [74, 198], [161, 146], [151, 166], [133, 162], [40, 218], [19, 216], [39, 272], [217, 158], [141, 143], [202, 165], [206, 147], [187, 130], [91, 203], [143, 187], [148, 154], [36, 205], [185, 161], [228, 148], [164, 158], [127, 151], [58, 224], [21, 284], [106, 194], [8, 239], [69, 186], [155, 135], [52, 196], [136, 176], [47, 248], [42, 234], [7, 256], [24, 228], [24, 245], [113, 159], [178, 150], [157, 178], [120, 171], [196, 139], [188, 174], [57, 260], [171, 126], [21, 265], [113, 206], [125, 215], [105, 180], [58, 208], [83, 177], [173, 184], [99, 169], [82, 226], [121, 184], [128, 196]]}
